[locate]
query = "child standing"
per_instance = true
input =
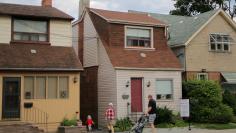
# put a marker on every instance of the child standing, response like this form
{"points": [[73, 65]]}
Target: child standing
{"points": [[89, 122]]}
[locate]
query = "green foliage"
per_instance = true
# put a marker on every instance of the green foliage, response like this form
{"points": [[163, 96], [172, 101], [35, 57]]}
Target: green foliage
{"points": [[123, 124], [164, 115], [69, 122], [230, 99], [206, 102], [193, 7]]}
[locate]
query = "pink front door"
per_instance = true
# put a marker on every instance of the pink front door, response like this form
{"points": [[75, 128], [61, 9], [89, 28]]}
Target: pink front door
{"points": [[136, 95]]}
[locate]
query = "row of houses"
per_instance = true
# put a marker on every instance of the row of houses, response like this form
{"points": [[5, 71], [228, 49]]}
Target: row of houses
{"points": [[62, 69]]}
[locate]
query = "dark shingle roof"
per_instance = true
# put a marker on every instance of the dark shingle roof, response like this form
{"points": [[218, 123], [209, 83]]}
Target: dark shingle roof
{"points": [[127, 17], [32, 11], [46, 58], [181, 28]]}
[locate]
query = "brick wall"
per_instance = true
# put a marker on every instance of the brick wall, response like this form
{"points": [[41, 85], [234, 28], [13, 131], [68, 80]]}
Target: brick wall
{"points": [[216, 76], [81, 41], [89, 94]]}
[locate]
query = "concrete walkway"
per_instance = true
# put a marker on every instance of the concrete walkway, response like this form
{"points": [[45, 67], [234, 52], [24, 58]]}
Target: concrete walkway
{"points": [[185, 130]]}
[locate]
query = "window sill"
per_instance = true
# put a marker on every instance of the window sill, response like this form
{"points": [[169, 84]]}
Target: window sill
{"points": [[140, 48], [220, 51], [30, 42], [165, 100]]}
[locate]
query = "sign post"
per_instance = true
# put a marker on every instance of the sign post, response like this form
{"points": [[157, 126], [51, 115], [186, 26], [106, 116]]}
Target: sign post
{"points": [[185, 110]]}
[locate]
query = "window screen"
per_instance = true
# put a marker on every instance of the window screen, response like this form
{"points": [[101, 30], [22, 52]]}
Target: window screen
{"points": [[164, 89], [52, 87], [63, 87], [29, 87], [40, 87]]}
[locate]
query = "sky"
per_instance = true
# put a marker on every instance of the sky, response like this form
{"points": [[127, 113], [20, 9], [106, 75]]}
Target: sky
{"points": [[71, 6]]}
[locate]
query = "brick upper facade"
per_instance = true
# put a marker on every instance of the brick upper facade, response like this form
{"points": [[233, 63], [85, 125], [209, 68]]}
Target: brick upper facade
{"points": [[113, 38]]}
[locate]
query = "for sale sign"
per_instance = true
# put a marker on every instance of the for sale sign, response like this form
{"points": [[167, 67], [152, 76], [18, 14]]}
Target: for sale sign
{"points": [[184, 108]]}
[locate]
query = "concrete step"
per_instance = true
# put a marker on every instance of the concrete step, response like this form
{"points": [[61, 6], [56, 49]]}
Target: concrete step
{"points": [[17, 127]]}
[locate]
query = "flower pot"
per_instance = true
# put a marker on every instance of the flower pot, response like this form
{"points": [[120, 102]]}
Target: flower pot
{"points": [[72, 129]]}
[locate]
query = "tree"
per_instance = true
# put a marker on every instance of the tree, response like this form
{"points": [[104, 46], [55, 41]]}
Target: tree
{"points": [[194, 7]]}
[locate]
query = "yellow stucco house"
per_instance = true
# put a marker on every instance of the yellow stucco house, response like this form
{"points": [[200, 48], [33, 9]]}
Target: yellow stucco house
{"points": [[205, 45], [39, 70]]}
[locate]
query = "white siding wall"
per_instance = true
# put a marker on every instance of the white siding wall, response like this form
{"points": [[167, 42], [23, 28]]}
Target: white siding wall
{"points": [[125, 75], [107, 91], [90, 43], [75, 33], [60, 33], [5, 29]]}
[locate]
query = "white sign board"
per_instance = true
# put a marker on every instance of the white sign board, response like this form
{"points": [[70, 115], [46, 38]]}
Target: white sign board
{"points": [[184, 108]]}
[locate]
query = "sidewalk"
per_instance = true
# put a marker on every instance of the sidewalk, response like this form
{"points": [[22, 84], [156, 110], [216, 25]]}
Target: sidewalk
{"points": [[185, 130]]}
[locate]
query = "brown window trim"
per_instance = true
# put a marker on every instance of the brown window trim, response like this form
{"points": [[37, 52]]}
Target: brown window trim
{"points": [[30, 42]]}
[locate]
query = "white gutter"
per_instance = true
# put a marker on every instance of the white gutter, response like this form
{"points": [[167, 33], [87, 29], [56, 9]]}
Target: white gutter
{"points": [[40, 69], [149, 69]]}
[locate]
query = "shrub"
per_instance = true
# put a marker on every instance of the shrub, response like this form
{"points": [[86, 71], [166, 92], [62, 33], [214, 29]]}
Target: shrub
{"points": [[230, 99], [164, 115], [206, 102], [69, 122], [123, 124]]}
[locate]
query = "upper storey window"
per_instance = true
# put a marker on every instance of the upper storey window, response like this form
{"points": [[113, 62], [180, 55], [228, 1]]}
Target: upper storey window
{"points": [[138, 37], [219, 42], [30, 30]]}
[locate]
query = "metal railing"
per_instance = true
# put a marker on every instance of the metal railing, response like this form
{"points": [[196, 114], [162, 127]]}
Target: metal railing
{"points": [[36, 117]]}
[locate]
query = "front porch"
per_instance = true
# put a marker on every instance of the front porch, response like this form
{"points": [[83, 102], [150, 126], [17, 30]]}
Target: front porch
{"points": [[41, 100]]}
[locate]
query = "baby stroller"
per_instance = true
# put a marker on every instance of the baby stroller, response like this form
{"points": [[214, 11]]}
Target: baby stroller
{"points": [[138, 127]]}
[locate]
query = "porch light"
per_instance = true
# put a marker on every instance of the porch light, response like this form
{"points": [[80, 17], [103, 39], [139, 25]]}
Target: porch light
{"points": [[148, 84], [127, 84], [75, 79]]}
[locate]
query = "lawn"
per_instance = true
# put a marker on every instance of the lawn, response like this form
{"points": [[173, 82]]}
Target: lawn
{"points": [[215, 126]]}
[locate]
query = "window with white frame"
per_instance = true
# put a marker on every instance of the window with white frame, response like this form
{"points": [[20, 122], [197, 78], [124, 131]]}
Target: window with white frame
{"points": [[219, 42], [202, 76], [46, 87], [164, 89], [30, 30], [138, 37]]}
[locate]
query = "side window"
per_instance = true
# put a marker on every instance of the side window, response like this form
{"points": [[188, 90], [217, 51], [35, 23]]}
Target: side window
{"points": [[164, 89], [202, 76], [220, 42], [63, 87]]}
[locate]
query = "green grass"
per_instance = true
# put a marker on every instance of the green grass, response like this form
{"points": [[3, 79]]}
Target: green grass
{"points": [[215, 126], [178, 123]]}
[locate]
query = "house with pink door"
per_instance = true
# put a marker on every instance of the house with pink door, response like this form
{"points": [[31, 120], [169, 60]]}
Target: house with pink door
{"points": [[125, 58]]}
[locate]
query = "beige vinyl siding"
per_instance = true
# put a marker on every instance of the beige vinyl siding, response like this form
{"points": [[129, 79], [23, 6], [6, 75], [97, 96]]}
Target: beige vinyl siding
{"points": [[75, 40], [57, 109], [5, 29], [198, 56], [60, 33], [125, 75], [107, 91], [90, 43]]}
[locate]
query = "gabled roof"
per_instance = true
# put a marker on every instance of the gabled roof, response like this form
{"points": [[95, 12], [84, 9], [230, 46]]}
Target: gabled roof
{"points": [[127, 17], [33, 11], [45, 58], [183, 28], [112, 37]]}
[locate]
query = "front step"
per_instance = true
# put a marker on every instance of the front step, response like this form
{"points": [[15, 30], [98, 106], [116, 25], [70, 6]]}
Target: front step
{"points": [[17, 127]]}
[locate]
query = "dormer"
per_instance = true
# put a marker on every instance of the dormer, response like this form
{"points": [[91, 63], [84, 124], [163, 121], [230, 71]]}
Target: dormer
{"points": [[30, 24]]}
